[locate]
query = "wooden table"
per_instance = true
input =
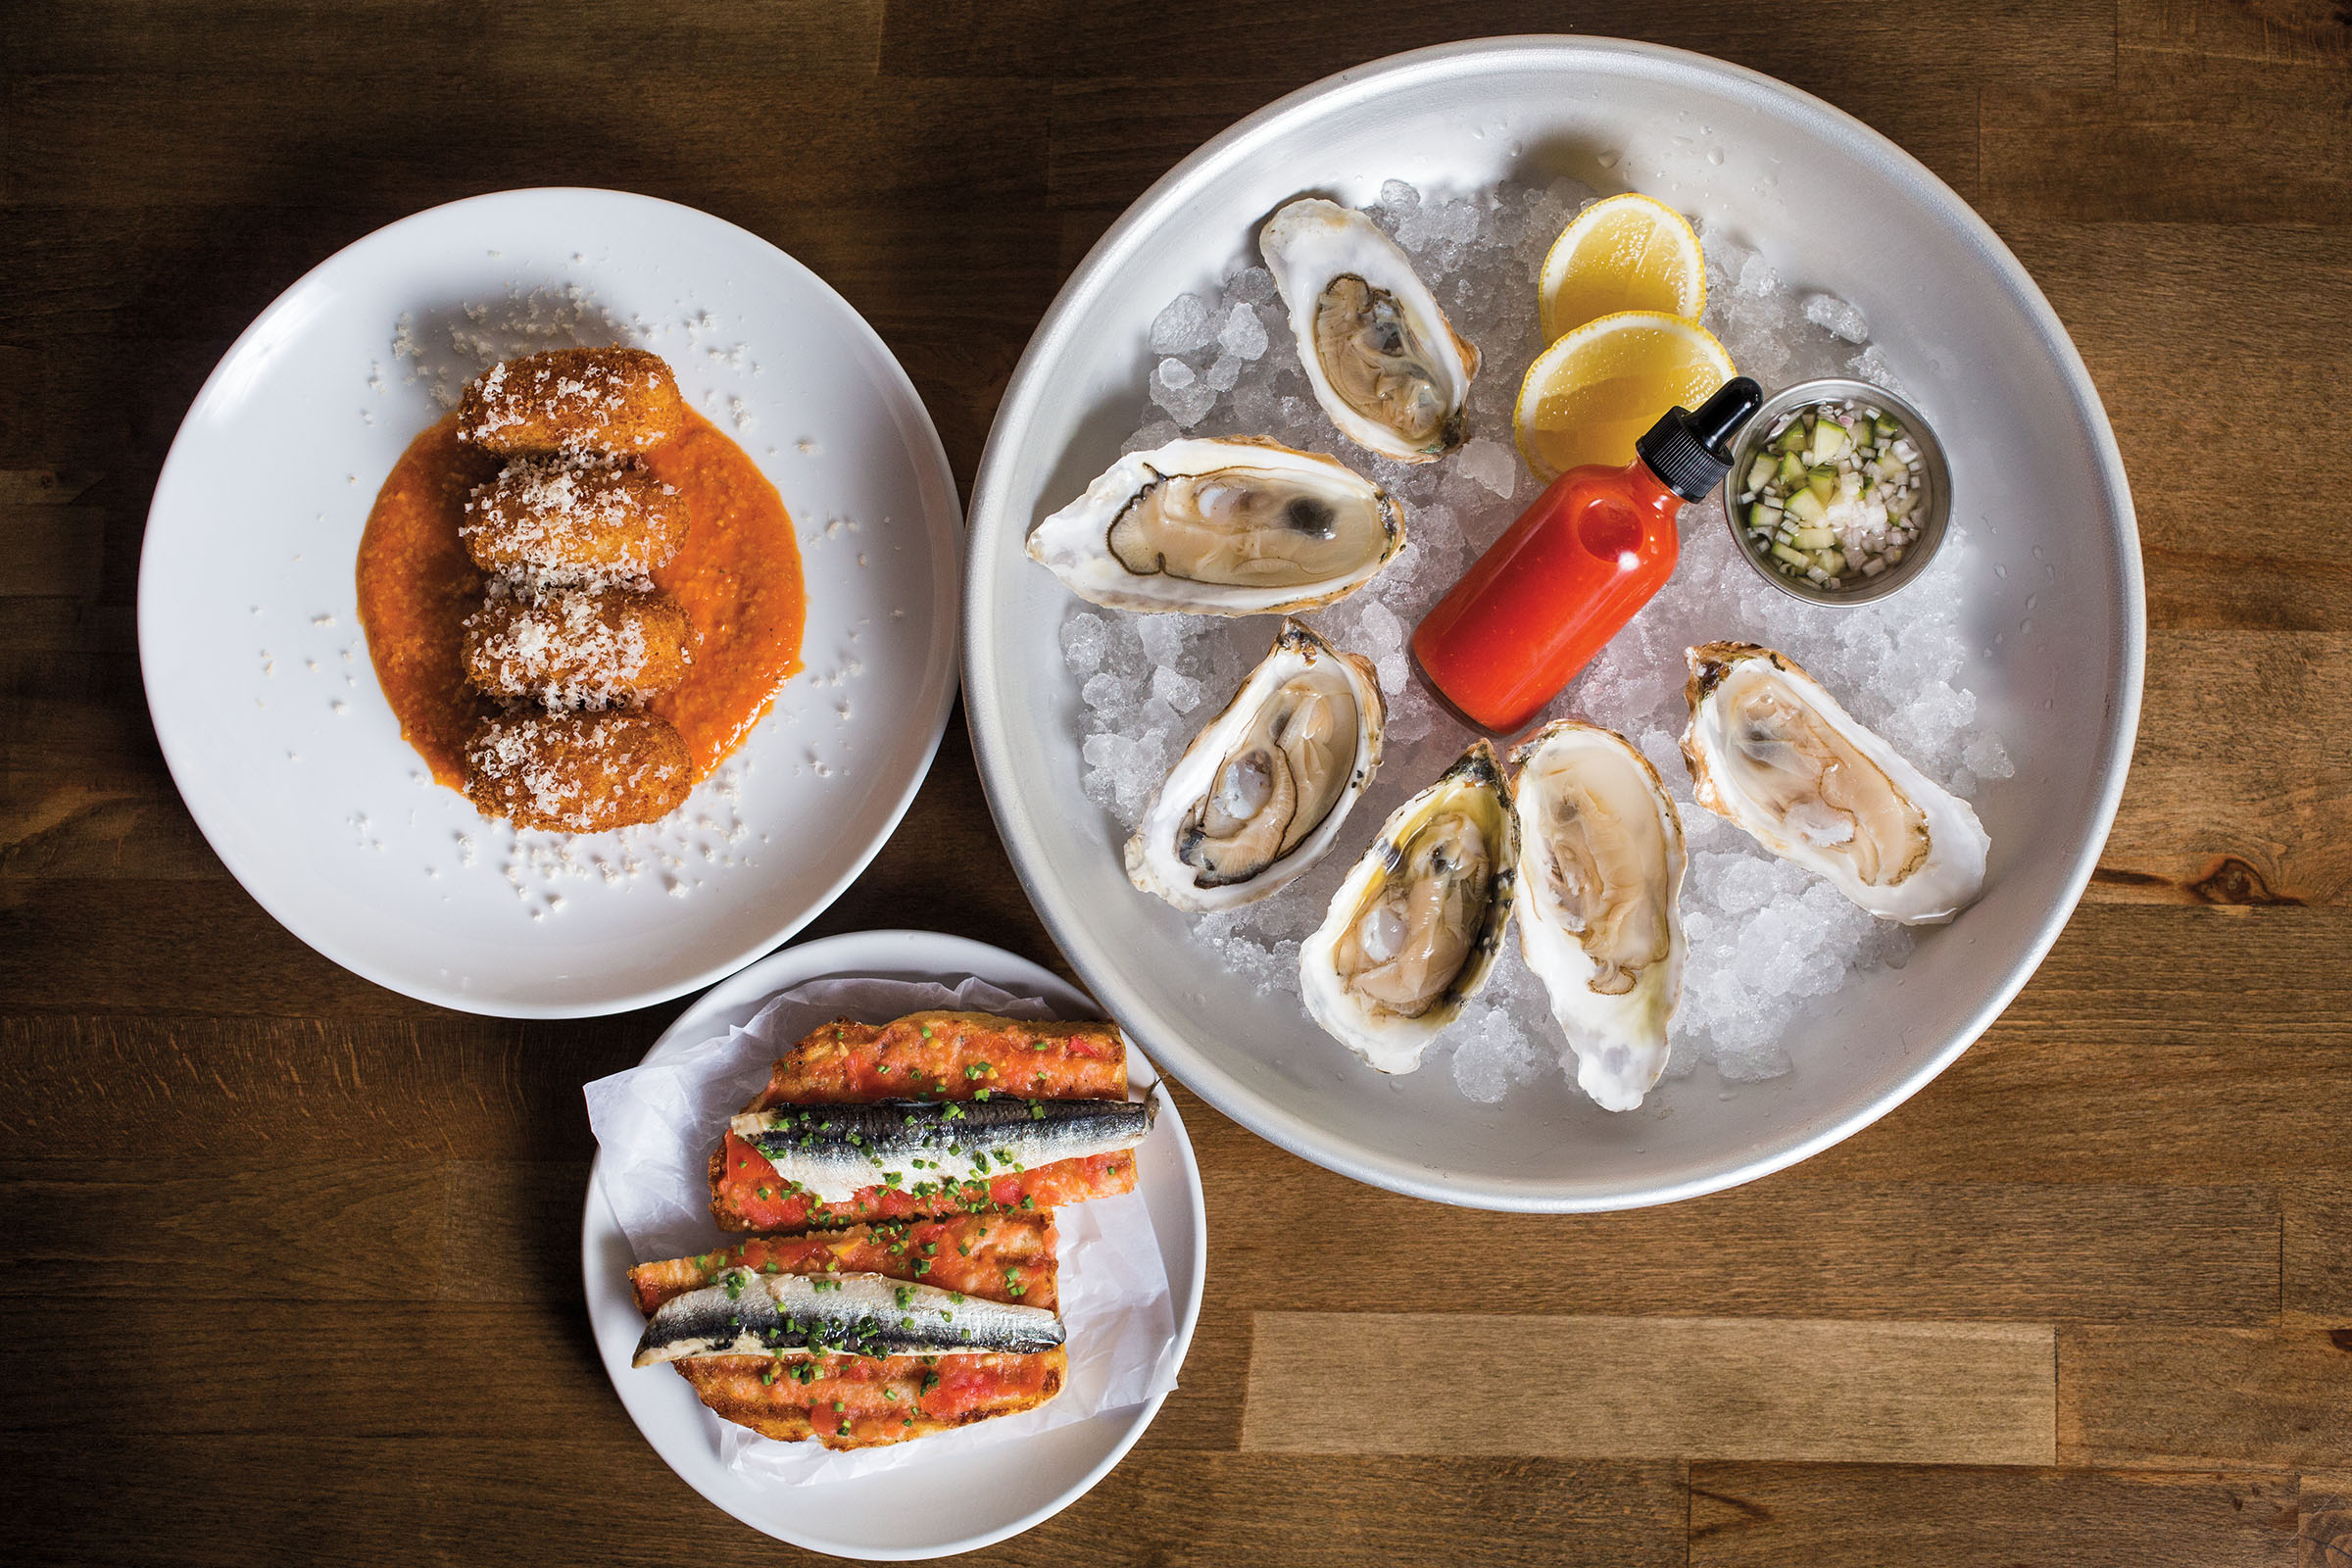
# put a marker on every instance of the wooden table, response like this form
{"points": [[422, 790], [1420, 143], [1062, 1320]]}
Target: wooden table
{"points": [[292, 1263]]}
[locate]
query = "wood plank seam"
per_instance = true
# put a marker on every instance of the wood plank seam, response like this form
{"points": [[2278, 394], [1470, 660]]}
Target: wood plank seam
{"points": [[1684, 1387]]}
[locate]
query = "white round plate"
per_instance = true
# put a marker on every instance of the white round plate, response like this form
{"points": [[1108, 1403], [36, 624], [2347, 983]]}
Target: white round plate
{"points": [[1829, 203], [267, 709], [957, 1501]]}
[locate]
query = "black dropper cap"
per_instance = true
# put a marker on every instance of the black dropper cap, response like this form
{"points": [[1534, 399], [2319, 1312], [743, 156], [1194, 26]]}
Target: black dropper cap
{"points": [[1690, 452]]}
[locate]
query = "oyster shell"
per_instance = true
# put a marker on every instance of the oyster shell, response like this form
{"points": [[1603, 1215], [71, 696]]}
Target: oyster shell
{"points": [[1383, 360], [1235, 526], [1601, 872], [1260, 793], [1413, 931], [1772, 751]]}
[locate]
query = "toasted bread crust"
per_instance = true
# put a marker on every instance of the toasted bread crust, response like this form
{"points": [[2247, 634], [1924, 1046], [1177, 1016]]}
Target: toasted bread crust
{"points": [[573, 521], [577, 773], [606, 400], [578, 646]]}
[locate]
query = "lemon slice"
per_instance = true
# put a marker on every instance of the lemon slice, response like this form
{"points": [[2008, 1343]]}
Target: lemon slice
{"points": [[1590, 396], [1623, 253]]}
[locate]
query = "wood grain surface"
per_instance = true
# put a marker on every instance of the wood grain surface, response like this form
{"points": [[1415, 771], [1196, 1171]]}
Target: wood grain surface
{"points": [[2087, 1299]]}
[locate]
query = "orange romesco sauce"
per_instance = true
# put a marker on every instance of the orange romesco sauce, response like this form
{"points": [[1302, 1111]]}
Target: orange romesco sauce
{"points": [[737, 578], [752, 1196], [416, 587]]}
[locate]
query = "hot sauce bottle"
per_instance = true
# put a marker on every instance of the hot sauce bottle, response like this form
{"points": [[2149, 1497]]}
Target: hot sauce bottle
{"points": [[1534, 609]]}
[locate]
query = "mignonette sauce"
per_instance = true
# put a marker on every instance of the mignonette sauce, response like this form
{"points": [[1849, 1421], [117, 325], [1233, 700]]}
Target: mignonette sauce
{"points": [[1590, 551]]}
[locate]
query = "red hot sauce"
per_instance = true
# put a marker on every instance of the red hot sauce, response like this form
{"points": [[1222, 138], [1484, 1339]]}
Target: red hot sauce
{"points": [[1562, 580]]}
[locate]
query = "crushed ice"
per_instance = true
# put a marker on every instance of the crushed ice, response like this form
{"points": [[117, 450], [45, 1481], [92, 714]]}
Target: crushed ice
{"points": [[1766, 938]]}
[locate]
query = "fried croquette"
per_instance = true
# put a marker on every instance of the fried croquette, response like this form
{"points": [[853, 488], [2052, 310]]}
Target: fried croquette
{"points": [[613, 399], [579, 648], [577, 773], [574, 523]]}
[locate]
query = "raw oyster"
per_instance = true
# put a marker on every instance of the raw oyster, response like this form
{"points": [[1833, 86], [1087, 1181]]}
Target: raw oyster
{"points": [[1236, 526], [1413, 931], [1601, 872], [1259, 794], [1383, 360], [1772, 751]]}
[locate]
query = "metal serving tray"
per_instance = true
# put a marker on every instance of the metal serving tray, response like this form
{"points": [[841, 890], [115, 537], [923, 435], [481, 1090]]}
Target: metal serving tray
{"points": [[1832, 204]]}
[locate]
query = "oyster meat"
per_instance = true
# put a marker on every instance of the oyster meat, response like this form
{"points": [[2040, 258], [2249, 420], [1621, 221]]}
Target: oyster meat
{"points": [[1260, 793], [1601, 873], [1235, 526], [1772, 751], [1382, 358], [1412, 933]]}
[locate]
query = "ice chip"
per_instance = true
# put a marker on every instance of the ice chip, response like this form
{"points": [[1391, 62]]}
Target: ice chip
{"points": [[1082, 640], [1871, 365], [1166, 638], [1437, 526], [1243, 335], [1494, 1055], [1104, 691], [1251, 285], [1254, 407], [1491, 464], [1222, 372], [1158, 433], [1420, 226], [1182, 326], [1753, 1065], [1383, 636], [1176, 389], [1725, 256], [1836, 317], [1399, 197], [1179, 691], [1411, 715], [1987, 757]]}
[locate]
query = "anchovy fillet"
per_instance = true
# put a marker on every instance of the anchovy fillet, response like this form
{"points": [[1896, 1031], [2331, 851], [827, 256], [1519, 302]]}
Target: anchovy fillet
{"points": [[744, 1312], [835, 1151]]}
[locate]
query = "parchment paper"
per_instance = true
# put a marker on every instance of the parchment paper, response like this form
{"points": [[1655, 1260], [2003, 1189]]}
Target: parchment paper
{"points": [[657, 1122]]}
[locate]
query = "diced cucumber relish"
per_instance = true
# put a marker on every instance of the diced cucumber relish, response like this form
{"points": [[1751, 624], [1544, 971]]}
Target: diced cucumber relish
{"points": [[1831, 495]]}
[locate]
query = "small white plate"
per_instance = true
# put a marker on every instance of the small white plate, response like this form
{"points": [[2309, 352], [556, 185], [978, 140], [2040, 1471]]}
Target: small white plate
{"points": [[259, 680], [960, 1501]]}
